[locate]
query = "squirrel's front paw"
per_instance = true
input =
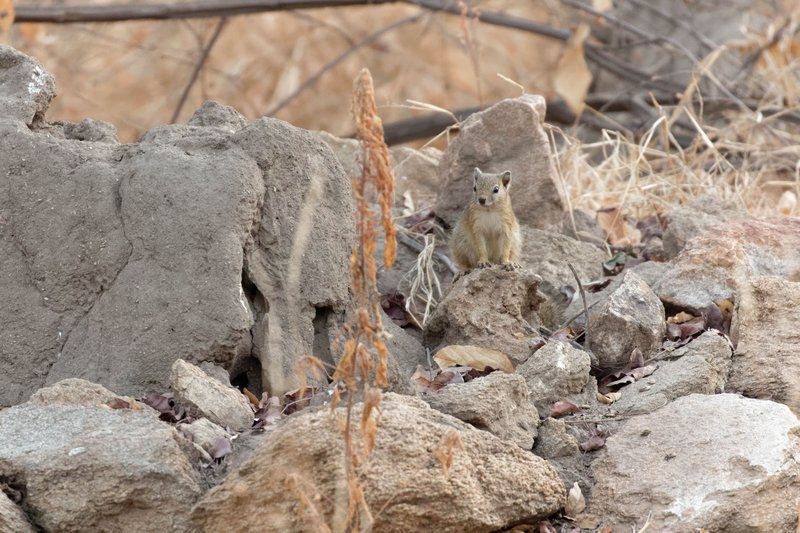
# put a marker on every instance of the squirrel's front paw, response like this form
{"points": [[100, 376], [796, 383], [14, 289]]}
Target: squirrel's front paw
{"points": [[484, 265], [512, 266]]}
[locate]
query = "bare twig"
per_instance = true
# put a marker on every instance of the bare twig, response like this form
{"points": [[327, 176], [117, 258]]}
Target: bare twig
{"points": [[418, 247], [311, 80], [583, 299], [198, 67]]}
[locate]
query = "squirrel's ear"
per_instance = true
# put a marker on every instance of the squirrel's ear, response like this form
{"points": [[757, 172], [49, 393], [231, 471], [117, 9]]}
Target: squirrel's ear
{"points": [[506, 178], [476, 173]]}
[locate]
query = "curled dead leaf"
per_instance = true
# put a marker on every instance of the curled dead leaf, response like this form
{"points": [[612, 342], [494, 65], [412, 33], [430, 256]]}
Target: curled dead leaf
{"points": [[608, 398], [680, 318], [562, 408], [576, 503], [473, 357], [618, 231], [573, 76], [595, 442]]}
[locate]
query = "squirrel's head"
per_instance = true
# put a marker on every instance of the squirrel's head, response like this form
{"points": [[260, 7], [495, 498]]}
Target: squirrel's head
{"points": [[488, 189]]}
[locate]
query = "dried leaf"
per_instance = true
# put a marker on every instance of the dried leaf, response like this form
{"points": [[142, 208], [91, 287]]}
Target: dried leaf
{"points": [[6, 15], [598, 285], [614, 266], [472, 356], [603, 5], [692, 327], [269, 412], [595, 442], [563, 408], [394, 305], [787, 203], [608, 398], [680, 318], [618, 231], [250, 396], [573, 76], [576, 503]]}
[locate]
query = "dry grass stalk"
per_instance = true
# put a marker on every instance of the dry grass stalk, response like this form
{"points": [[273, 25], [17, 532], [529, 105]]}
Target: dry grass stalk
{"points": [[445, 452]]}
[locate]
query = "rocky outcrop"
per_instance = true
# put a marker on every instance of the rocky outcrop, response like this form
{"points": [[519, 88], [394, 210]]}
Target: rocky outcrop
{"points": [[549, 255], [117, 259], [632, 317], [507, 136], [498, 403], [556, 372], [700, 367], [491, 484], [12, 519], [766, 363], [202, 395], [73, 391], [695, 218], [491, 308], [89, 469], [720, 463]]}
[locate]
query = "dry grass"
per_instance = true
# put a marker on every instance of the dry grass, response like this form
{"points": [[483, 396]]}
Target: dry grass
{"points": [[132, 73]]}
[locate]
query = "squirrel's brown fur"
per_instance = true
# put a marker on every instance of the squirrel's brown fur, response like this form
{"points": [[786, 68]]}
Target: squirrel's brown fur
{"points": [[487, 232]]}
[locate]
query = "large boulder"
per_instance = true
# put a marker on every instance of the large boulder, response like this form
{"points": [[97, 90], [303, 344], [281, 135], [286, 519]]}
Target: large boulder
{"points": [[700, 367], [507, 136], [720, 463], [549, 255], [12, 519], [555, 372], [491, 308], [498, 403], [695, 218], [89, 469], [490, 485], [26, 88], [202, 395], [212, 241], [632, 317], [766, 363], [711, 265], [74, 391]]}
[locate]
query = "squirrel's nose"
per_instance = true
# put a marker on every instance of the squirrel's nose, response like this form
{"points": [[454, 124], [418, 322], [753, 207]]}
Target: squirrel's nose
{"points": [[482, 201]]}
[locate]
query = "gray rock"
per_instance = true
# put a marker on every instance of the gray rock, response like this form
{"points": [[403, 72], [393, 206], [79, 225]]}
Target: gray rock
{"points": [[115, 260], [555, 372], [300, 265], [720, 462], [491, 308], [695, 218], [416, 172], [554, 440], [214, 115], [507, 136], [88, 469], [74, 391], [490, 485], [711, 265], [202, 395], [216, 372], [632, 317], [583, 226], [204, 433], [26, 88], [548, 254], [91, 130], [766, 362], [12, 519], [700, 367], [405, 353], [498, 403], [347, 151]]}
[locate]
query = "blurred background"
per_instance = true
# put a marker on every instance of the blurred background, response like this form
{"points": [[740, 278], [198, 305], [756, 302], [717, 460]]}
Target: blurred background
{"points": [[710, 86]]}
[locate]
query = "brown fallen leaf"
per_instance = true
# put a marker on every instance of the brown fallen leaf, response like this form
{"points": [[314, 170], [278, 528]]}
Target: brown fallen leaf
{"points": [[680, 318], [573, 77], [472, 356], [608, 398], [618, 231], [250, 396], [595, 442], [562, 408], [576, 503]]}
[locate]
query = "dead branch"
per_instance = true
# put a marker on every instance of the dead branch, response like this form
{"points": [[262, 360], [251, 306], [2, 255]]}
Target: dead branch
{"points": [[311, 80], [197, 68]]}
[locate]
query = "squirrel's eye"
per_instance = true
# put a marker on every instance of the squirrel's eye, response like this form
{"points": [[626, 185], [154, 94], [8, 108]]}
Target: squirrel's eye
{"points": [[496, 189], [475, 189]]}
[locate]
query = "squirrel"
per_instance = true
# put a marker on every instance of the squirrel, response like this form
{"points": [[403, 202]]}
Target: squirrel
{"points": [[487, 232]]}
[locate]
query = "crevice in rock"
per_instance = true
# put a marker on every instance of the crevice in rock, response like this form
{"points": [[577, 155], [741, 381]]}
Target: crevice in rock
{"points": [[321, 348], [246, 368]]}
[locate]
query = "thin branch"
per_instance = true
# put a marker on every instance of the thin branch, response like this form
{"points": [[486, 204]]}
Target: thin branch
{"points": [[198, 67], [418, 247], [585, 307], [310, 81]]}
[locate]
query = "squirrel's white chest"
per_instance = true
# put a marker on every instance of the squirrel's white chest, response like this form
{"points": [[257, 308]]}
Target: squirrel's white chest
{"points": [[489, 223]]}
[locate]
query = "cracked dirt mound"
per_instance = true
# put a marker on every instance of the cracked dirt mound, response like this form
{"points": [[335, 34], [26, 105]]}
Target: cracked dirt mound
{"points": [[117, 259]]}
